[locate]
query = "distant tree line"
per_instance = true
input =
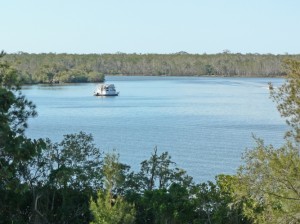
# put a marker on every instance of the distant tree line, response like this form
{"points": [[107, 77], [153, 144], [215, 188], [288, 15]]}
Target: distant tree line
{"points": [[51, 67]]}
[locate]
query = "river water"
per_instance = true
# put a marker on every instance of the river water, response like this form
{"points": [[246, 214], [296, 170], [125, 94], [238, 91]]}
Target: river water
{"points": [[204, 123]]}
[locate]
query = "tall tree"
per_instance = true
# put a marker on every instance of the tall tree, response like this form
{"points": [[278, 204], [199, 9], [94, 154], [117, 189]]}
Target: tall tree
{"points": [[287, 98], [16, 149], [159, 172], [111, 208], [65, 176], [268, 184]]}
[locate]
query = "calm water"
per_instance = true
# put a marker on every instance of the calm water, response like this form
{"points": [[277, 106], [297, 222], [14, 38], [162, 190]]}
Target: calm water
{"points": [[205, 123]]}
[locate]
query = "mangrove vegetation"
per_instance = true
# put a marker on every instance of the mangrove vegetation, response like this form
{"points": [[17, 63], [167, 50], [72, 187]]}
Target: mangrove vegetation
{"points": [[55, 68]]}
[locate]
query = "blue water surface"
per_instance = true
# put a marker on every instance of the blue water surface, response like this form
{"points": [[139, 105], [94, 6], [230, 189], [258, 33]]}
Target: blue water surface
{"points": [[204, 123]]}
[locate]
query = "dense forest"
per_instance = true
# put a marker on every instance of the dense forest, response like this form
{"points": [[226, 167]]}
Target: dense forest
{"points": [[49, 68], [73, 181]]}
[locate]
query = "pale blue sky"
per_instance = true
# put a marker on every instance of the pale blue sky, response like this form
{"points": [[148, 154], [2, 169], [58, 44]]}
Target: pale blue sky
{"points": [[153, 26]]}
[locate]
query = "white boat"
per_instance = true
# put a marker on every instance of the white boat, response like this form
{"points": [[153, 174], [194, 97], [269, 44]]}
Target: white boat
{"points": [[106, 90]]}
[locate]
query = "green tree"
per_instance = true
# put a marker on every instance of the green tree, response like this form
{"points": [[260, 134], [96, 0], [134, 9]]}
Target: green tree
{"points": [[16, 150], [226, 211], [268, 185], [159, 172], [206, 200], [110, 208], [287, 98], [60, 181], [172, 205], [222, 64], [48, 73], [66, 175], [74, 162], [160, 191], [95, 77]]}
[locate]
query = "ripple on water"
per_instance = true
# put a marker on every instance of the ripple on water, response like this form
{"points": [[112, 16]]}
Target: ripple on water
{"points": [[204, 123]]}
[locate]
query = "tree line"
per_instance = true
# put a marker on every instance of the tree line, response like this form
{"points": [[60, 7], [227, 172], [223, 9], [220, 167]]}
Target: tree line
{"points": [[73, 181], [51, 67]]}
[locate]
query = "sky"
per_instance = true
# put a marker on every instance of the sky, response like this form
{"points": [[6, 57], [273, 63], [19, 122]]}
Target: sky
{"points": [[150, 26]]}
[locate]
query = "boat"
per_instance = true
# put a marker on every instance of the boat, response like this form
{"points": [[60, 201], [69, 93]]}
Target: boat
{"points": [[106, 90]]}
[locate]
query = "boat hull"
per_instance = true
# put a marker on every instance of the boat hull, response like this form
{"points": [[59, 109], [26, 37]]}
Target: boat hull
{"points": [[98, 94], [106, 90]]}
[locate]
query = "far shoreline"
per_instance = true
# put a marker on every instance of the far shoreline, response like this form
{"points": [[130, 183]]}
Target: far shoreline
{"points": [[171, 76], [78, 68]]}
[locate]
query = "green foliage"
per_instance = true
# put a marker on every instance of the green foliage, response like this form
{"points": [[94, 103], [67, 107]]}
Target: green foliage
{"points": [[66, 175], [159, 172], [74, 162], [213, 202], [268, 184], [47, 68], [8, 76], [166, 206], [160, 191], [114, 172], [16, 150], [287, 98], [227, 210], [110, 208], [94, 76], [50, 67], [55, 184], [73, 76]]}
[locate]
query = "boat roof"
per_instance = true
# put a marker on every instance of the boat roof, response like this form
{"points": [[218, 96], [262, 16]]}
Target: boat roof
{"points": [[108, 85]]}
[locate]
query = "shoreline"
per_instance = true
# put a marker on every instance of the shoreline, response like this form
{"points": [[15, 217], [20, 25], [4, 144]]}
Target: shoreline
{"points": [[171, 76]]}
